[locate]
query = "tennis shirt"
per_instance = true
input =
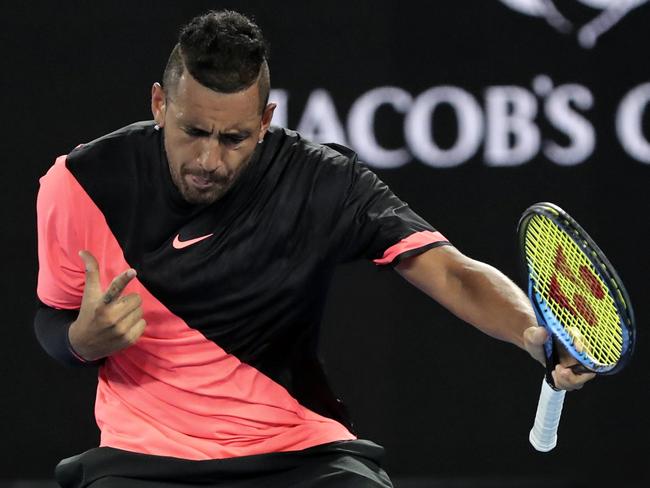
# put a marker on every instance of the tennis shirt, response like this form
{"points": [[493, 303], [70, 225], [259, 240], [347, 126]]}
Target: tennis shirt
{"points": [[232, 292]]}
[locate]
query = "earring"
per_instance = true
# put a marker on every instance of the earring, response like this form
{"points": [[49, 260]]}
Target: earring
{"points": [[156, 127]]}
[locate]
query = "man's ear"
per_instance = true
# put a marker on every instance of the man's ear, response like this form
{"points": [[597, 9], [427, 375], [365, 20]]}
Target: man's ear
{"points": [[158, 104], [267, 116]]}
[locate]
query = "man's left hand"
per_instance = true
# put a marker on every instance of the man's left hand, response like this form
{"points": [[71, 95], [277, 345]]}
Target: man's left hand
{"points": [[563, 375]]}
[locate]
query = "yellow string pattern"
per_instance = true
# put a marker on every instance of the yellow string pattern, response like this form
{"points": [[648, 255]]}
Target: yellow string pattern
{"points": [[574, 291]]}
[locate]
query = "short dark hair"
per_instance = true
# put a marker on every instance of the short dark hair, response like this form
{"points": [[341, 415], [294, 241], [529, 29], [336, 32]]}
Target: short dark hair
{"points": [[224, 51]]}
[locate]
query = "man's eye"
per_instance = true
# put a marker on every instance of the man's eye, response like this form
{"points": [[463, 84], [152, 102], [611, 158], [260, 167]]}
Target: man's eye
{"points": [[190, 131], [232, 139]]}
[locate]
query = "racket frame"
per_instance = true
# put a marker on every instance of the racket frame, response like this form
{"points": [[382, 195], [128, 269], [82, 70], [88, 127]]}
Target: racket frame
{"points": [[606, 272]]}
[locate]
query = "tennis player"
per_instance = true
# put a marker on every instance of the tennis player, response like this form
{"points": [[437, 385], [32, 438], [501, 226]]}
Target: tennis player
{"points": [[189, 257]]}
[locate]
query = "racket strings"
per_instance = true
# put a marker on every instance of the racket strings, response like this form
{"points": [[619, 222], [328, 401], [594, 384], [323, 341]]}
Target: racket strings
{"points": [[597, 347], [573, 291], [583, 338], [564, 289], [609, 313]]}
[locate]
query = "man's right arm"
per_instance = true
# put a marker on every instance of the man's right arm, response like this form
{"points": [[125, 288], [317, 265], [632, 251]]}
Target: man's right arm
{"points": [[105, 323], [78, 319]]}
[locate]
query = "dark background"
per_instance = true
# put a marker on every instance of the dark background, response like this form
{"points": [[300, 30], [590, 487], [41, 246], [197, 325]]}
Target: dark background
{"points": [[447, 402]]}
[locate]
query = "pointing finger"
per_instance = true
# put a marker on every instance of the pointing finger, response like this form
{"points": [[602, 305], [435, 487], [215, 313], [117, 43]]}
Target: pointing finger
{"points": [[117, 285]]}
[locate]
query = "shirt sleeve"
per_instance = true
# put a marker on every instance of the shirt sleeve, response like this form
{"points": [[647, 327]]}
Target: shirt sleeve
{"points": [[60, 274], [51, 328], [375, 224]]}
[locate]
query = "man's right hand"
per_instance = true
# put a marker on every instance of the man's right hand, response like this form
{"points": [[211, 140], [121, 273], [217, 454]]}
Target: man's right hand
{"points": [[107, 322]]}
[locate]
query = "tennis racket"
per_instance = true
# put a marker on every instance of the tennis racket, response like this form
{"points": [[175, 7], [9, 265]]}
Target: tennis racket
{"points": [[579, 298]]}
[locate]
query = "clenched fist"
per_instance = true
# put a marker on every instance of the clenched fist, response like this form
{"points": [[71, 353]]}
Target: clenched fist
{"points": [[564, 376]]}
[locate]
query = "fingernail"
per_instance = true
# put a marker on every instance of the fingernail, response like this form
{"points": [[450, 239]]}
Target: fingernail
{"points": [[131, 273]]}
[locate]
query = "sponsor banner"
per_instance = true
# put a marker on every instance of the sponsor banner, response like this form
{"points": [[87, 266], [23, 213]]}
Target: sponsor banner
{"points": [[502, 125]]}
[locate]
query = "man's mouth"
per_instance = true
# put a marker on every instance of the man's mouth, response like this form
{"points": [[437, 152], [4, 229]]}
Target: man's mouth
{"points": [[200, 182]]}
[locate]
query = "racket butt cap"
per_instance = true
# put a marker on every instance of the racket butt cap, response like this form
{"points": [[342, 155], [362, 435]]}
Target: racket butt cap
{"points": [[542, 445]]}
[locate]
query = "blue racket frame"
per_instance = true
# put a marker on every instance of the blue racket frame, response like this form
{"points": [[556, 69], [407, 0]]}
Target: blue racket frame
{"points": [[547, 319]]}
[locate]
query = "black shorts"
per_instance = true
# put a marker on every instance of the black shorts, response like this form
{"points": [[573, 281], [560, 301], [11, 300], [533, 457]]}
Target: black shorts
{"points": [[345, 464]]}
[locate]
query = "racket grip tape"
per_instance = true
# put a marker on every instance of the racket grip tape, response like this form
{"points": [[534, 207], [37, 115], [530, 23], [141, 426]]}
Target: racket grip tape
{"points": [[543, 435]]}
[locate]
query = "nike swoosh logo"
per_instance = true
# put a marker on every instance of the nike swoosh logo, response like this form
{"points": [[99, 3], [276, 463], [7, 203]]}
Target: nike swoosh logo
{"points": [[178, 244]]}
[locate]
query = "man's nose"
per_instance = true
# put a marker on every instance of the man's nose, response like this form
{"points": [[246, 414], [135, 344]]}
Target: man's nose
{"points": [[210, 157]]}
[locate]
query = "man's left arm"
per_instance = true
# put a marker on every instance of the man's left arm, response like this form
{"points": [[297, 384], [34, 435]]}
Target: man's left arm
{"points": [[484, 297]]}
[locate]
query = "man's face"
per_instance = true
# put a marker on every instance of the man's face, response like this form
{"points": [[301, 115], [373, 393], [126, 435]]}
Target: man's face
{"points": [[209, 136]]}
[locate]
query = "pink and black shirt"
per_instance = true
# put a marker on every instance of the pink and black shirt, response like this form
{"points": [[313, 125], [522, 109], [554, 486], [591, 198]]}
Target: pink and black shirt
{"points": [[232, 292]]}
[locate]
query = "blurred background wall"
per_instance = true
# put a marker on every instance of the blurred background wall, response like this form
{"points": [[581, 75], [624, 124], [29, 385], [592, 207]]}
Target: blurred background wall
{"points": [[470, 110]]}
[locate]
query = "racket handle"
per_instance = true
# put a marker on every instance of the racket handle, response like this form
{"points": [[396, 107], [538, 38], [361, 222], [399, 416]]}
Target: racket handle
{"points": [[543, 435]]}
